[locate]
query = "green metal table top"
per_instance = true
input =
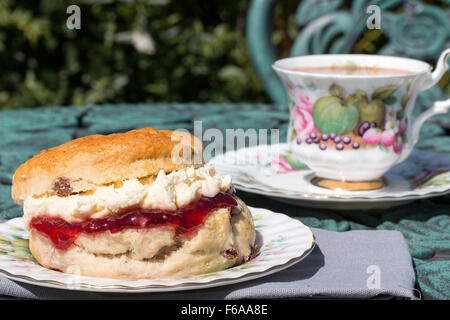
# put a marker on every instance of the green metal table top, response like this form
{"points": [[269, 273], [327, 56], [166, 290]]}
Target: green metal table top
{"points": [[425, 224]]}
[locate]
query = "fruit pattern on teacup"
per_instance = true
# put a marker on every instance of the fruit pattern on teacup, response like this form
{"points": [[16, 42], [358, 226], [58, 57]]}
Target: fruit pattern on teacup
{"points": [[349, 122]]}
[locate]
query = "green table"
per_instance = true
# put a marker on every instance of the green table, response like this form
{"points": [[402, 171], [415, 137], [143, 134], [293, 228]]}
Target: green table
{"points": [[425, 224]]}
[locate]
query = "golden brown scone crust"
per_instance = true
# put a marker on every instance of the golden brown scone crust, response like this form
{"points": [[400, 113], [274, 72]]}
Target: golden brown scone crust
{"points": [[85, 163], [223, 240]]}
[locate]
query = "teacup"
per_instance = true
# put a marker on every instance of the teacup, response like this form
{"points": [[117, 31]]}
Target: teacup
{"points": [[355, 127]]}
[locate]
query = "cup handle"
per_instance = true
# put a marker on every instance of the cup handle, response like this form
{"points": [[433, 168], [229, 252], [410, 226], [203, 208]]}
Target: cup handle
{"points": [[439, 107]]}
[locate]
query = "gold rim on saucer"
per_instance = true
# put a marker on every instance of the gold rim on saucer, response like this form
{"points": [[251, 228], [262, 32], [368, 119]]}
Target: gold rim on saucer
{"points": [[349, 185]]}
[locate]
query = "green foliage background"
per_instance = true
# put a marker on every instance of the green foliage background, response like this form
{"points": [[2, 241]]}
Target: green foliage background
{"points": [[200, 52]]}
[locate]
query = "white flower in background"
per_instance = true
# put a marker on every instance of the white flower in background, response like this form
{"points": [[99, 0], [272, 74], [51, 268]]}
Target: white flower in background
{"points": [[143, 42]]}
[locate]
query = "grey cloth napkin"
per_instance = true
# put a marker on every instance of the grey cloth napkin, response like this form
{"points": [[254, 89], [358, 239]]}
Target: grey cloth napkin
{"points": [[349, 265]]}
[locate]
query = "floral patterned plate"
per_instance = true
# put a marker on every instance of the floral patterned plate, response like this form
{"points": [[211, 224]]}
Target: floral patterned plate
{"points": [[282, 242], [270, 170]]}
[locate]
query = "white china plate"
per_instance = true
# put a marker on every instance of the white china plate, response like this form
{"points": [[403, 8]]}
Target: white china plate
{"points": [[282, 242], [265, 170]]}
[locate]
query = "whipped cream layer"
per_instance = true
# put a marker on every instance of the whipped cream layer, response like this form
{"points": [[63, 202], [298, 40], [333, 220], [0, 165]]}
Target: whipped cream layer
{"points": [[167, 191]]}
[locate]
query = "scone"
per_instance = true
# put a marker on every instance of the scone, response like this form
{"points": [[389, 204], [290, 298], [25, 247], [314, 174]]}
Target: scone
{"points": [[132, 205]]}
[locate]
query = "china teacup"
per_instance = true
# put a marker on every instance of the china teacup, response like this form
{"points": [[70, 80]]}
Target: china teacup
{"points": [[351, 116]]}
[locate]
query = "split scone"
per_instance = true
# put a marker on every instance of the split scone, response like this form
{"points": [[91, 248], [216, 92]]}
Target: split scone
{"points": [[122, 206]]}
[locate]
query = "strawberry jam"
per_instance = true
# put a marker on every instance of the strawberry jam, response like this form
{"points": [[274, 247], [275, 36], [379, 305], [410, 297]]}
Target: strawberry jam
{"points": [[63, 234]]}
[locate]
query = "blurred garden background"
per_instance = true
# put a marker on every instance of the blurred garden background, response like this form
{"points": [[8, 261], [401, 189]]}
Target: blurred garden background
{"points": [[139, 51]]}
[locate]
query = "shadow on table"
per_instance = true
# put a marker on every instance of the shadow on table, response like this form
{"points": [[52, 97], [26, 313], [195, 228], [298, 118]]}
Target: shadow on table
{"points": [[303, 270]]}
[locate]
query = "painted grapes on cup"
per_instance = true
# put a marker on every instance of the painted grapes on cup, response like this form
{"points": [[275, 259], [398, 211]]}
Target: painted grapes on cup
{"points": [[343, 121]]}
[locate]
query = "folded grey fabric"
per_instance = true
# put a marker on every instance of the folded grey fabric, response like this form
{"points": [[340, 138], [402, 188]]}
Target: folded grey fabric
{"points": [[348, 265]]}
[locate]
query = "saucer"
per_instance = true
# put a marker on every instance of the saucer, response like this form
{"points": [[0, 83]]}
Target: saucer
{"points": [[270, 170]]}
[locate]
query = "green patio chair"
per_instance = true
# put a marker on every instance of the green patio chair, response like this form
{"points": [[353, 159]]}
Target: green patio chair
{"points": [[413, 28]]}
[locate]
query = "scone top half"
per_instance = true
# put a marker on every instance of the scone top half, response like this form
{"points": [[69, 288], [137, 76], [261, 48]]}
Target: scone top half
{"points": [[100, 175]]}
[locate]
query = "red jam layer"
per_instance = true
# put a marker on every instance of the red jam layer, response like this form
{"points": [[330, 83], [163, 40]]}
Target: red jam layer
{"points": [[63, 234]]}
